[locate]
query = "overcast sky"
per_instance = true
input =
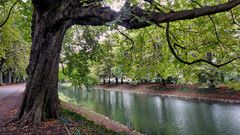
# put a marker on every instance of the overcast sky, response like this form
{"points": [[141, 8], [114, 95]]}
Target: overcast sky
{"points": [[116, 4]]}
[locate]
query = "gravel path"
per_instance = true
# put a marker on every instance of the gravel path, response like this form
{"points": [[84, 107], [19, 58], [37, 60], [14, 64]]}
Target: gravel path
{"points": [[10, 99], [9, 89]]}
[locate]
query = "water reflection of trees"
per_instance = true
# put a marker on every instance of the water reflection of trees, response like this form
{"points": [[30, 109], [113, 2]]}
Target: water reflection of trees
{"points": [[153, 115]]}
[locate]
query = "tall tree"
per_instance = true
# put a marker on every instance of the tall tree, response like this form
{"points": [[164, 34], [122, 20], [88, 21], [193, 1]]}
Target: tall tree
{"points": [[79, 53], [51, 18], [14, 38]]}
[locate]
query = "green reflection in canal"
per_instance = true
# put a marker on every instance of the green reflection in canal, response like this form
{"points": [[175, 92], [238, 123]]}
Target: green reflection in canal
{"points": [[156, 115]]}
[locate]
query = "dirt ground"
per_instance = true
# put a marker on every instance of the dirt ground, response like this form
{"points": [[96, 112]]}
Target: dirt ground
{"points": [[8, 109]]}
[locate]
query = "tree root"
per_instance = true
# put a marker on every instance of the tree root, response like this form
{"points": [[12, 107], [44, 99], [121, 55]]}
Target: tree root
{"points": [[25, 120], [67, 130], [5, 124]]}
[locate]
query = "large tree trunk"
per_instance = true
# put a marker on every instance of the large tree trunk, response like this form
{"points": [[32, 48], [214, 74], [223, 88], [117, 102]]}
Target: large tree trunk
{"points": [[41, 98]]}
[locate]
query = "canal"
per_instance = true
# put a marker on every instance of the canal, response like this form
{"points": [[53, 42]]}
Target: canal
{"points": [[155, 115]]}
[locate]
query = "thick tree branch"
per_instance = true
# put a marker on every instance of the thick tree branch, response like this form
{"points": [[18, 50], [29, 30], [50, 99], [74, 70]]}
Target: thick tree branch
{"points": [[9, 13], [40, 4], [195, 61], [139, 18], [195, 13]]}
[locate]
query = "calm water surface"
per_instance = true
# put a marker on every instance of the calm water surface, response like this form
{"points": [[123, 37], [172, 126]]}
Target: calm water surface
{"points": [[159, 116]]}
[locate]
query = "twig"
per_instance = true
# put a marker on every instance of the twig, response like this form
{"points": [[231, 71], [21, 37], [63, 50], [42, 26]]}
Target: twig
{"points": [[67, 130], [234, 19], [127, 37], [9, 13]]}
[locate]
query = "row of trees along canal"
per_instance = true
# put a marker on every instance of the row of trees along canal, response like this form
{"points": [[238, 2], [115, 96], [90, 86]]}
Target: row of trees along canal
{"points": [[161, 41], [14, 41], [91, 58]]}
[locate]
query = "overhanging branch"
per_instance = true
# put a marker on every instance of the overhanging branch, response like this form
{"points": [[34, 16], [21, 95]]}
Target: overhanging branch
{"points": [[139, 18], [195, 61], [9, 13]]}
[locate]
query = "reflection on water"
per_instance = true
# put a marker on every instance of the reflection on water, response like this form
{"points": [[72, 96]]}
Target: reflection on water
{"points": [[159, 116]]}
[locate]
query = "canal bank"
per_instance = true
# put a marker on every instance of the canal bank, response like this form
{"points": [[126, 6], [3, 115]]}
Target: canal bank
{"points": [[184, 92], [99, 119]]}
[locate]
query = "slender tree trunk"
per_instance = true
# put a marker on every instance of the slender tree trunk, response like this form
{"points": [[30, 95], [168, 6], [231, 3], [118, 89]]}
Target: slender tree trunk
{"points": [[145, 81], [158, 78], [1, 77], [2, 60], [163, 82], [121, 80], [10, 76], [116, 80], [41, 98], [4, 77], [109, 80], [17, 80], [104, 81], [222, 77], [14, 78]]}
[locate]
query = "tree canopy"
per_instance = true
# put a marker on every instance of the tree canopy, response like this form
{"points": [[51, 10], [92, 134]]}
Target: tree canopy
{"points": [[205, 43], [144, 40]]}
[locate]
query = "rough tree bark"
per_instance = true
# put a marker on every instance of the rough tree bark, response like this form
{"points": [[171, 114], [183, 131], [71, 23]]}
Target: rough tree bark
{"points": [[41, 97], [51, 18]]}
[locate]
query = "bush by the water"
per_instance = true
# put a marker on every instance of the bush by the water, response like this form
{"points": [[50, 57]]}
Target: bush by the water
{"points": [[206, 89]]}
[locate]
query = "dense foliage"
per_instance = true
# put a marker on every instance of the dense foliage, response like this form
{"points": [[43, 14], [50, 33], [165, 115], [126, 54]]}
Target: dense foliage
{"points": [[144, 56], [193, 41], [98, 54], [14, 40]]}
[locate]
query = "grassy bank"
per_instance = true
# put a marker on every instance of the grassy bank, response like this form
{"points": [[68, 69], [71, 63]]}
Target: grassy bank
{"points": [[96, 123], [78, 124]]}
